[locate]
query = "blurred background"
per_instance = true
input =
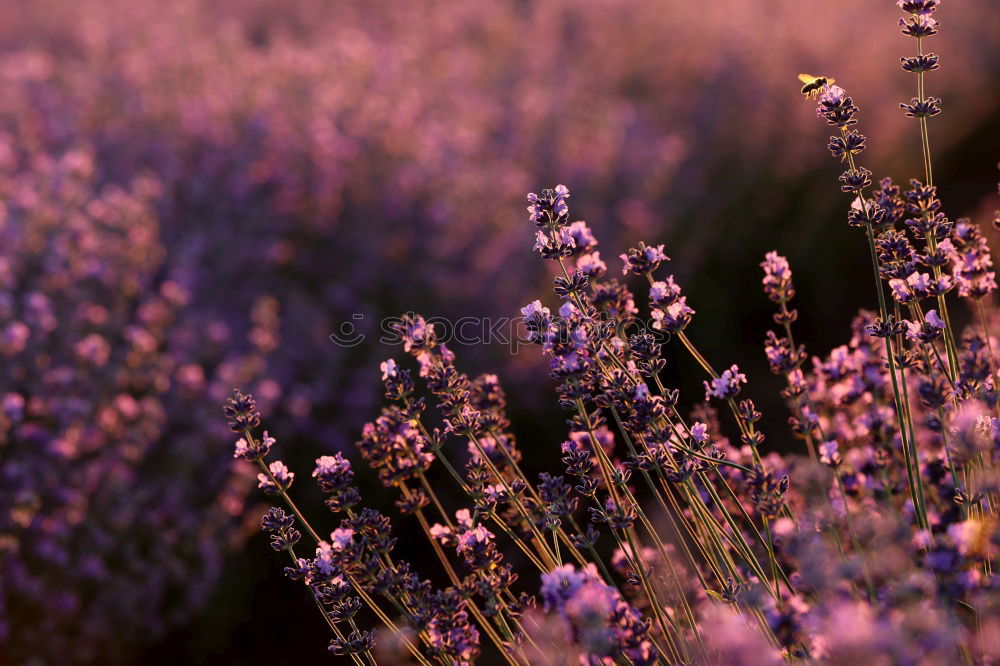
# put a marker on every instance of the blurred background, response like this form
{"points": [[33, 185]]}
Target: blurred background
{"points": [[195, 194]]}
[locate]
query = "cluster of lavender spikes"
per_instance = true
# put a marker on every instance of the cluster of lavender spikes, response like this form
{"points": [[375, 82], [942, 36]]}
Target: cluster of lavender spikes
{"points": [[664, 540]]}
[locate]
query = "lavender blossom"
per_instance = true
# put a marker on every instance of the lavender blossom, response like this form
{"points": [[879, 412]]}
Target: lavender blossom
{"points": [[643, 259], [726, 386], [971, 260]]}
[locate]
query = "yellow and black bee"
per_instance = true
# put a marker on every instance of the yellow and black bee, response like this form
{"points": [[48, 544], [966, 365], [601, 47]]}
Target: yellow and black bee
{"points": [[814, 84]]}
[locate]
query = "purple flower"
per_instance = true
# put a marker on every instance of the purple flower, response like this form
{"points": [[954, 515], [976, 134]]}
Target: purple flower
{"points": [[922, 108], [971, 260], [398, 382], [829, 453], [332, 471], [844, 147], [918, 6], [537, 320], [699, 432], [919, 25], [780, 356], [918, 64], [674, 317], [394, 446], [643, 259], [534, 309], [900, 290], [389, 369], [282, 478], [931, 329], [589, 611], [554, 244], [356, 642], [664, 293], [342, 538], [325, 561], [449, 630], [477, 548], [777, 278], [603, 624], [334, 476], [562, 583], [583, 237], [279, 525], [549, 207], [725, 386], [276, 520], [836, 107], [417, 334], [241, 412], [591, 264], [917, 286], [253, 449]]}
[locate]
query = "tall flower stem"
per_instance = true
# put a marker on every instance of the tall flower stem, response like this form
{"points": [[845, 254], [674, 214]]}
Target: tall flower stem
{"points": [[439, 455], [453, 576], [329, 621], [359, 590], [605, 466], [560, 533], [984, 321], [541, 544], [648, 526], [911, 453], [925, 151], [949, 335], [901, 401], [925, 142]]}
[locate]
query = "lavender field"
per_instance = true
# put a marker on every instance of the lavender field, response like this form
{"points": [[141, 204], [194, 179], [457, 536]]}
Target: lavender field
{"points": [[453, 333]]}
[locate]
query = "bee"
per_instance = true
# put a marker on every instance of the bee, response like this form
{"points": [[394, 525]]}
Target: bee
{"points": [[814, 84]]}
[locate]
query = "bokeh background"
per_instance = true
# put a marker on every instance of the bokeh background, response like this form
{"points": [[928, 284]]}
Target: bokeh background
{"points": [[195, 194]]}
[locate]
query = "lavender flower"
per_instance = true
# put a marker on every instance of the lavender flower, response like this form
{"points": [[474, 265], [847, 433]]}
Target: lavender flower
{"points": [[918, 7], [971, 260], [282, 478], [643, 259], [550, 206], [583, 237], [836, 107], [922, 108], [241, 410], [777, 278], [601, 621], [726, 386], [662, 294], [674, 317], [253, 449], [537, 319], [279, 525], [591, 264], [920, 25], [929, 330], [392, 445]]}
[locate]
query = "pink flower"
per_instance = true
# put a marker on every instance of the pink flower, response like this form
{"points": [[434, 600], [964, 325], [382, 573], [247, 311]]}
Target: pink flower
{"points": [[699, 432], [726, 386], [389, 369], [342, 538]]}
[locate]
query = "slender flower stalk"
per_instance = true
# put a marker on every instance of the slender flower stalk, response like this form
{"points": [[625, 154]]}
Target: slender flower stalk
{"points": [[921, 24], [840, 111]]}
